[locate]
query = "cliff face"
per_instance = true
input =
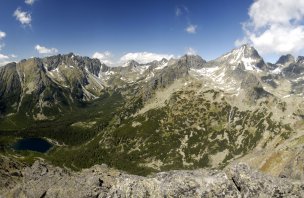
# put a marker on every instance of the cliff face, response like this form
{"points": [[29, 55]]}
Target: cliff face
{"points": [[43, 180]]}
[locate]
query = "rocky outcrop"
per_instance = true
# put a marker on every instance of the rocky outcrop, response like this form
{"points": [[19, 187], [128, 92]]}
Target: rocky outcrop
{"points": [[10, 173], [251, 183], [42, 88], [43, 180], [253, 88], [286, 60], [245, 55], [192, 61], [10, 87]]}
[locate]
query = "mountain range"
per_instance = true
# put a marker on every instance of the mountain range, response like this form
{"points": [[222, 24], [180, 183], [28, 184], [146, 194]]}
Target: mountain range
{"points": [[183, 113]]}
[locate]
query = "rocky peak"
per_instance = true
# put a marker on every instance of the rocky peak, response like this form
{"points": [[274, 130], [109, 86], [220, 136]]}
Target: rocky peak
{"points": [[245, 51], [131, 64], [74, 61], [300, 60], [157, 63], [163, 61], [246, 55], [271, 66], [286, 60], [71, 54], [192, 61]]}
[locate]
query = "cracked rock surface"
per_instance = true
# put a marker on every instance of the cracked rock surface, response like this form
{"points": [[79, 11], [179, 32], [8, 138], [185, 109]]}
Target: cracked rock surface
{"points": [[239, 180]]}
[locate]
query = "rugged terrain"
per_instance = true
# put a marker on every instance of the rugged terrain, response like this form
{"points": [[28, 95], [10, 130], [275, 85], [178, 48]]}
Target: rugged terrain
{"points": [[183, 113], [43, 180]]}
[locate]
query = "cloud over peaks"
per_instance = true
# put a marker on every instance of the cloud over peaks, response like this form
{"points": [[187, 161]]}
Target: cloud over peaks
{"points": [[191, 51], [44, 50], [4, 59], [275, 26], [144, 57], [104, 57]]}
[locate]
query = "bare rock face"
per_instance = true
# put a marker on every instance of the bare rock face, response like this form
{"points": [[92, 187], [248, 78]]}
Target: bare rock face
{"points": [[251, 183], [286, 60], [197, 183], [10, 173], [43, 180]]}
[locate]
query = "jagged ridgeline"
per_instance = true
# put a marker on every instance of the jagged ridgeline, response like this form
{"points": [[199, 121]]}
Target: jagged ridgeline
{"points": [[181, 113]]}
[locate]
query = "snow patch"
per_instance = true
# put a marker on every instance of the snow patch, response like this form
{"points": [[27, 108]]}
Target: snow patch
{"points": [[108, 73], [249, 64], [237, 54], [161, 65], [141, 69], [206, 71], [276, 71], [217, 78]]}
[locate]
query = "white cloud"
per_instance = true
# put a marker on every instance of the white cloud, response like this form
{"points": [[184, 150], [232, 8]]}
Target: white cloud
{"points": [[144, 57], [191, 51], [281, 40], [30, 2], [45, 50], [23, 17], [104, 57], [268, 12], [4, 59], [141, 57], [275, 26], [180, 10], [240, 42], [191, 29], [184, 11], [2, 62], [2, 35]]}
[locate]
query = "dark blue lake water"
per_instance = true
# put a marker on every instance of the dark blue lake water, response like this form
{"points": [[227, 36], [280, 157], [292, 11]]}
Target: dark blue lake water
{"points": [[33, 144]]}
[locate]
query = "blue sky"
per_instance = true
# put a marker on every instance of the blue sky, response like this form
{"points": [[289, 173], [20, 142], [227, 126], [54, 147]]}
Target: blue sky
{"points": [[113, 28]]}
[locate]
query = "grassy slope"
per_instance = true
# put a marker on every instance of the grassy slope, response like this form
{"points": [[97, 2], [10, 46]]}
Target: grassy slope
{"points": [[183, 135]]}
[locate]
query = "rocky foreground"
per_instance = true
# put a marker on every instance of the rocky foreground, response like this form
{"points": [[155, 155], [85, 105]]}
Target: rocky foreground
{"points": [[44, 180]]}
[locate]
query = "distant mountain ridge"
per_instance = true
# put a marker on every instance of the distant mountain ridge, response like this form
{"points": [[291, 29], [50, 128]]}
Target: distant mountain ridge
{"points": [[83, 79]]}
